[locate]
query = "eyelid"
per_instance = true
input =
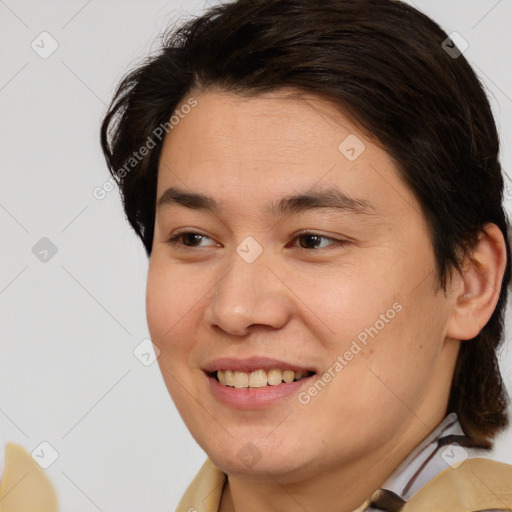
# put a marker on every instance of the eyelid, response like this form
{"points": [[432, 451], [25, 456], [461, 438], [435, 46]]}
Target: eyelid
{"points": [[173, 239], [305, 232]]}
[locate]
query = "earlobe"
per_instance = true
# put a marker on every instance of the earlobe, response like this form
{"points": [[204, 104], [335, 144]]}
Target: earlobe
{"points": [[477, 290]]}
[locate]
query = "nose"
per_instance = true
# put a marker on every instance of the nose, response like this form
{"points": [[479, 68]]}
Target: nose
{"points": [[249, 294]]}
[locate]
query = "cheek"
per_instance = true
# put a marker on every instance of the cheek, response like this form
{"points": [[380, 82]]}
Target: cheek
{"points": [[398, 359], [171, 297], [169, 305], [388, 331], [342, 304], [169, 311], [158, 300]]}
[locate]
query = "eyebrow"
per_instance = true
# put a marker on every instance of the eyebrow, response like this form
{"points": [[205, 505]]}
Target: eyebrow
{"points": [[331, 198]]}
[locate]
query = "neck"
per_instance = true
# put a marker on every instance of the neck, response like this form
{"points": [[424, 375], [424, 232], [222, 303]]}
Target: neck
{"points": [[344, 488]]}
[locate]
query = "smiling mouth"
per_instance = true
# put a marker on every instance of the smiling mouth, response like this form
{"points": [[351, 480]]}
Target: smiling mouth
{"points": [[258, 378]]}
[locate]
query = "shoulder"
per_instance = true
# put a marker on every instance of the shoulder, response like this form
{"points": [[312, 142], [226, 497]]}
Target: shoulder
{"points": [[25, 485], [475, 485]]}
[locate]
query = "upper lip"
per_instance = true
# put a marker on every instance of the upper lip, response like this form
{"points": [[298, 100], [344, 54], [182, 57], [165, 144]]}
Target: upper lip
{"points": [[252, 364]]}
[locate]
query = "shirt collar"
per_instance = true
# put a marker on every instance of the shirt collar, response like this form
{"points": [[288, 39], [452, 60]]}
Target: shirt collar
{"points": [[412, 472], [446, 446]]}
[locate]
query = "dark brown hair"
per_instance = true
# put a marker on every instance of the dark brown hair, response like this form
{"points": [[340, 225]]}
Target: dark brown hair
{"points": [[393, 71]]}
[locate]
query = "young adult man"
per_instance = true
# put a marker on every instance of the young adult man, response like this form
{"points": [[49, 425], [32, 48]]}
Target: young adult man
{"points": [[329, 256]]}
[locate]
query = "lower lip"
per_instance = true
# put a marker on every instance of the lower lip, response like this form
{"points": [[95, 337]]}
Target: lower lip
{"points": [[254, 398]]}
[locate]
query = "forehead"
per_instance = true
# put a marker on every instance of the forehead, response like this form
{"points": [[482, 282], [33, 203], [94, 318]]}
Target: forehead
{"points": [[267, 145], [283, 127], [276, 116]]}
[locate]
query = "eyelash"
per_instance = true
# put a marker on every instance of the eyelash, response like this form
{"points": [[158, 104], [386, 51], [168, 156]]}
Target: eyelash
{"points": [[174, 240]]}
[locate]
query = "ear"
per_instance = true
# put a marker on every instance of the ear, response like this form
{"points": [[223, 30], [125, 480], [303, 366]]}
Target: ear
{"points": [[475, 293]]}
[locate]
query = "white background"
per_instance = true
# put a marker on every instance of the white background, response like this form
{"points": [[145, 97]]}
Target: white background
{"points": [[68, 375]]}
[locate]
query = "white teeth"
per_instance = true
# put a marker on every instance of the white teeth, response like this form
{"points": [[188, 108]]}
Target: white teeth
{"points": [[258, 378], [288, 375], [229, 378], [241, 380], [275, 377]]}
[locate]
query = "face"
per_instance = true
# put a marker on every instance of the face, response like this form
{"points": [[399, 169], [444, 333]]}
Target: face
{"points": [[304, 280]]}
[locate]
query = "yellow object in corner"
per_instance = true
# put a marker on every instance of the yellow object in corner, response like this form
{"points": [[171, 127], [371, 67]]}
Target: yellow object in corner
{"points": [[25, 486]]}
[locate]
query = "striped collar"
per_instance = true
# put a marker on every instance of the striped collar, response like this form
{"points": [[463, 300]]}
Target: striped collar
{"points": [[447, 446]]}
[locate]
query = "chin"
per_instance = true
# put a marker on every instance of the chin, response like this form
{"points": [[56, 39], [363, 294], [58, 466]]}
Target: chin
{"points": [[250, 455], [256, 463]]}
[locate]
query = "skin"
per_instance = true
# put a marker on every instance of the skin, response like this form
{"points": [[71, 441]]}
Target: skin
{"points": [[304, 301]]}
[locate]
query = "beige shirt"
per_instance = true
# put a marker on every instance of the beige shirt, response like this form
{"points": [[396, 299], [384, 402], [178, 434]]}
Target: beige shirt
{"points": [[25, 486], [440, 475]]}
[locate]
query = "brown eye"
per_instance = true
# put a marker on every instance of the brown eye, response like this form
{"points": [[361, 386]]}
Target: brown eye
{"points": [[309, 241], [187, 239], [315, 241], [190, 239]]}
